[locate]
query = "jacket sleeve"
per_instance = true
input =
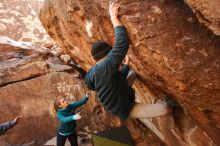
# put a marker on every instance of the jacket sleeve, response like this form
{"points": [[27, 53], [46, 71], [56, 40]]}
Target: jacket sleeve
{"points": [[109, 66], [125, 70], [79, 103], [64, 119], [88, 82], [6, 126]]}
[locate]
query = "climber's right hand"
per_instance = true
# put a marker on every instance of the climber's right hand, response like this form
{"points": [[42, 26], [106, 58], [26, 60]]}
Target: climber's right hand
{"points": [[113, 11], [87, 94], [17, 118], [77, 116]]}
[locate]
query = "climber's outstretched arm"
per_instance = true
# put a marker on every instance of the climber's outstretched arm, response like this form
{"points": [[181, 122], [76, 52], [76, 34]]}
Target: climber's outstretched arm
{"points": [[7, 125], [109, 66]]}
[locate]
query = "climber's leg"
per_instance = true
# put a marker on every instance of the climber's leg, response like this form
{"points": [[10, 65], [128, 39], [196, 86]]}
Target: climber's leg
{"points": [[143, 111], [73, 139], [61, 140], [131, 77]]}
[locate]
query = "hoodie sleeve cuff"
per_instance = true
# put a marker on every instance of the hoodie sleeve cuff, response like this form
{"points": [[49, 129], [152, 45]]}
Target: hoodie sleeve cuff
{"points": [[12, 123], [74, 117], [120, 29]]}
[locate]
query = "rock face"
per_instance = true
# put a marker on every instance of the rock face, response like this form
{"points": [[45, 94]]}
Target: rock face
{"points": [[19, 21], [208, 13], [173, 54], [28, 87], [30, 80]]}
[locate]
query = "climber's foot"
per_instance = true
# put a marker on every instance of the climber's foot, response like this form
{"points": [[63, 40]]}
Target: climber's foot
{"points": [[171, 103]]}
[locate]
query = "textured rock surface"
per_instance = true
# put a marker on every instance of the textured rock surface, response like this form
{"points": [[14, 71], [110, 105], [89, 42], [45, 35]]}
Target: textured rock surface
{"points": [[173, 54], [208, 13], [19, 21], [28, 86], [31, 79], [18, 64]]}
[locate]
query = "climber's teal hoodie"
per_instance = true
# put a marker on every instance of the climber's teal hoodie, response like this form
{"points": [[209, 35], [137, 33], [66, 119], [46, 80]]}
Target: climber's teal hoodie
{"points": [[109, 83], [66, 117]]}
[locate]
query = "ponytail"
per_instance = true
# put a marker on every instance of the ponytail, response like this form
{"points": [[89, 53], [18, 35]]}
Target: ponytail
{"points": [[56, 104]]}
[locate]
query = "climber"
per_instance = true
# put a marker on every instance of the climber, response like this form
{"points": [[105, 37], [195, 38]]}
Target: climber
{"points": [[9, 124], [114, 91], [67, 117]]}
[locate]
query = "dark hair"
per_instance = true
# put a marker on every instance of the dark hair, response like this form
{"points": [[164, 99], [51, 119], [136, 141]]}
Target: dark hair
{"points": [[100, 49]]}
